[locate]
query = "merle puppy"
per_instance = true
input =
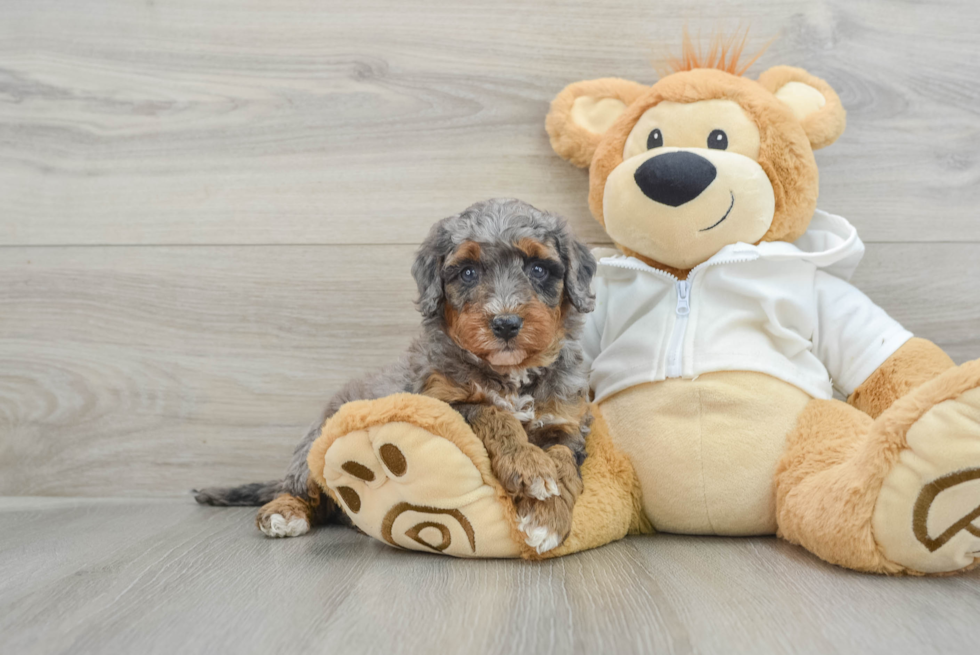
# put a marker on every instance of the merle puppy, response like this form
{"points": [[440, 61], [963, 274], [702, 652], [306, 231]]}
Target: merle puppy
{"points": [[502, 292]]}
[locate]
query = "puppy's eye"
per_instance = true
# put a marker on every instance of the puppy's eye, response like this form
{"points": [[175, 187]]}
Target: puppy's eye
{"points": [[655, 140], [538, 272], [469, 275], [718, 140]]}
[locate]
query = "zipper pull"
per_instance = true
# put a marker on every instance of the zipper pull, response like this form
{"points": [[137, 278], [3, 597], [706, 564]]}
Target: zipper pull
{"points": [[683, 297]]}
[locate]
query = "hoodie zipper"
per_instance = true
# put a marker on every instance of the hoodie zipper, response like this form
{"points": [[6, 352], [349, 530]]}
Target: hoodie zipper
{"points": [[682, 309], [675, 351]]}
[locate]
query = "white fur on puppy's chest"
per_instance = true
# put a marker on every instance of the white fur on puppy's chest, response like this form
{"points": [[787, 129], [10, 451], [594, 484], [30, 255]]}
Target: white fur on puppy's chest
{"points": [[521, 406]]}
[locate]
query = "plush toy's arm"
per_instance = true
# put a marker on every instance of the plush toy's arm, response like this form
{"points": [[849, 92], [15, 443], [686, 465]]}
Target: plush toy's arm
{"points": [[918, 361], [871, 357], [854, 336]]}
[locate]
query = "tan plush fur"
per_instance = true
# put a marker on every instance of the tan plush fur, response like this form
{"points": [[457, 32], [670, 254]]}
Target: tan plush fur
{"points": [[916, 362], [607, 510], [427, 413], [785, 153], [835, 462], [838, 455], [822, 127], [571, 141]]}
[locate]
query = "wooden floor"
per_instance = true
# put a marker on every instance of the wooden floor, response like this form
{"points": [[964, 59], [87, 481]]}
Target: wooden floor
{"points": [[123, 576], [208, 210]]}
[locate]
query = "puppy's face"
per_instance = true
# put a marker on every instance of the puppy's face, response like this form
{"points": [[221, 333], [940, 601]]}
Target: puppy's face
{"points": [[501, 279], [503, 301]]}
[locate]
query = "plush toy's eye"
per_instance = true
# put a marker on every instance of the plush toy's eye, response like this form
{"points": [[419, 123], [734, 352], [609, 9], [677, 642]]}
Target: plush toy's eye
{"points": [[655, 140], [469, 275], [718, 140], [538, 272]]}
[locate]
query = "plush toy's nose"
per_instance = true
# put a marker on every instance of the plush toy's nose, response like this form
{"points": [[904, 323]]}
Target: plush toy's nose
{"points": [[674, 178]]}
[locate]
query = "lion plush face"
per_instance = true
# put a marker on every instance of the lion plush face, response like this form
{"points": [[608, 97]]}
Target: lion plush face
{"points": [[702, 159]]}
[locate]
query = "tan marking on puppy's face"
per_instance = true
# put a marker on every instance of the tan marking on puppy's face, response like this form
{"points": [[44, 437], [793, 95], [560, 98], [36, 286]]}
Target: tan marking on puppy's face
{"points": [[534, 249], [689, 183], [468, 250]]}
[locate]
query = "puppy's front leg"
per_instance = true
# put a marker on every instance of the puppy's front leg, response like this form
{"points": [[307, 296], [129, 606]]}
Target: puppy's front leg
{"points": [[528, 474], [560, 428]]}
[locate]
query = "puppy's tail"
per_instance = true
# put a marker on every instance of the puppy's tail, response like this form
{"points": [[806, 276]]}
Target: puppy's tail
{"points": [[247, 495]]}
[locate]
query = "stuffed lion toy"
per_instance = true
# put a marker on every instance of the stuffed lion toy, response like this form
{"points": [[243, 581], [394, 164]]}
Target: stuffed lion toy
{"points": [[724, 321]]}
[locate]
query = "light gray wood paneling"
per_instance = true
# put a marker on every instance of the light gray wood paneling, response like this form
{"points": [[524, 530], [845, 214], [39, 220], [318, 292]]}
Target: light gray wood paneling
{"points": [[181, 121], [114, 576], [122, 366], [151, 370]]}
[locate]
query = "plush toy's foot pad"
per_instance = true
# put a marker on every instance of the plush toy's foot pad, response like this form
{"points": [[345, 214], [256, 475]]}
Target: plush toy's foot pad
{"points": [[927, 516], [411, 487]]}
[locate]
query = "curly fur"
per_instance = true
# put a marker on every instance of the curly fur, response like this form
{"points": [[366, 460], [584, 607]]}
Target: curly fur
{"points": [[555, 374]]}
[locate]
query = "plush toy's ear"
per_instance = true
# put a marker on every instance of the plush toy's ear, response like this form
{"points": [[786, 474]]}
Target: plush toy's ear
{"points": [[814, 103], [583, 111]]}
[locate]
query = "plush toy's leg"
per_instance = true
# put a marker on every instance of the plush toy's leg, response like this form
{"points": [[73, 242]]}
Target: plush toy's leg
{"points": [[896, 494], [408, 471], [609, 508]]}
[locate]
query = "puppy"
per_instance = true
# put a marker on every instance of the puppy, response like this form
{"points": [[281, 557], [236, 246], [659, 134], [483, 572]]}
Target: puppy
{"points": [[502, 292]]}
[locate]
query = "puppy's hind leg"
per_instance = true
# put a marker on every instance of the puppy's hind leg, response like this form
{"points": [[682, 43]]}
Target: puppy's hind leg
{"points": [[302, 504], [292, 516], [285, 516]]}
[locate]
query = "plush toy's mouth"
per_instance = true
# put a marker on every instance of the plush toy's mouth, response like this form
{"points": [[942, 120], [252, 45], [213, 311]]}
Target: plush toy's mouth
{"points": [[722, 219]]}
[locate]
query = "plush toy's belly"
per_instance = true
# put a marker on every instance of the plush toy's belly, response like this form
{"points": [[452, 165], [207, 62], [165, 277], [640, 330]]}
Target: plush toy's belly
{"points": [[705, 450]]}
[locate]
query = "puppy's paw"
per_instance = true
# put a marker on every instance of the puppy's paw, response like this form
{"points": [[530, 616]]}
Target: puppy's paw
{"points": [[286, 516], [527, 471], [277, 525], [546, 523], [544, 488]]}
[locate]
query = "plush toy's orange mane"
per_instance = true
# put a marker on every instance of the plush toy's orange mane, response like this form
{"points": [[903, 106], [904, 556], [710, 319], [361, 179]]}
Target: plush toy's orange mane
{"points": [[723, 54]]}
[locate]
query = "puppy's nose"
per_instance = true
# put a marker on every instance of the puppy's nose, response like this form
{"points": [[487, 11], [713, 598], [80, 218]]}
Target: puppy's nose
{"points": [[675, 178], [505, 326]]}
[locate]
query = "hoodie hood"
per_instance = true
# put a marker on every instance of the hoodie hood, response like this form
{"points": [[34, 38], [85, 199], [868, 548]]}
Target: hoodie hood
{"points": [[830, 243]]}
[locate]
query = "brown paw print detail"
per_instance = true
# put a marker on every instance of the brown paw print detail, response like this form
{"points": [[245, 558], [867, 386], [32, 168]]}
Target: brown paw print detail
{"points": [[359, 471], [351, 499], [414, 532], [393, 459], [928, 495]]}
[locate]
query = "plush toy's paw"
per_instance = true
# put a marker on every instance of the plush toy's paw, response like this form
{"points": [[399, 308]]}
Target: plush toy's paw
{"points": [[422, 484], [927, 516], [283, 517]]}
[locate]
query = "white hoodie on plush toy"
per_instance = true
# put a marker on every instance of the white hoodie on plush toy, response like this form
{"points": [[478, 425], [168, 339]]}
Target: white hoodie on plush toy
{"points": [[783, 309]]}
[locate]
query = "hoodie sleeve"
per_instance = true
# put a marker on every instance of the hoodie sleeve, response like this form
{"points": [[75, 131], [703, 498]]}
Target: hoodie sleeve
{"points": [[595, 322], [854, 336]]}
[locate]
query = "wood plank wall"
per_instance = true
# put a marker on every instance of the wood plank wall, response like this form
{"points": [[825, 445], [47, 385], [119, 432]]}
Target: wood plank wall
{"points": [[208, 210]]}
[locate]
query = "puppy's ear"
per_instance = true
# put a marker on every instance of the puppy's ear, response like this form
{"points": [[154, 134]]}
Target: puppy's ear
{"points": [[580, 266], [427, 269]]}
